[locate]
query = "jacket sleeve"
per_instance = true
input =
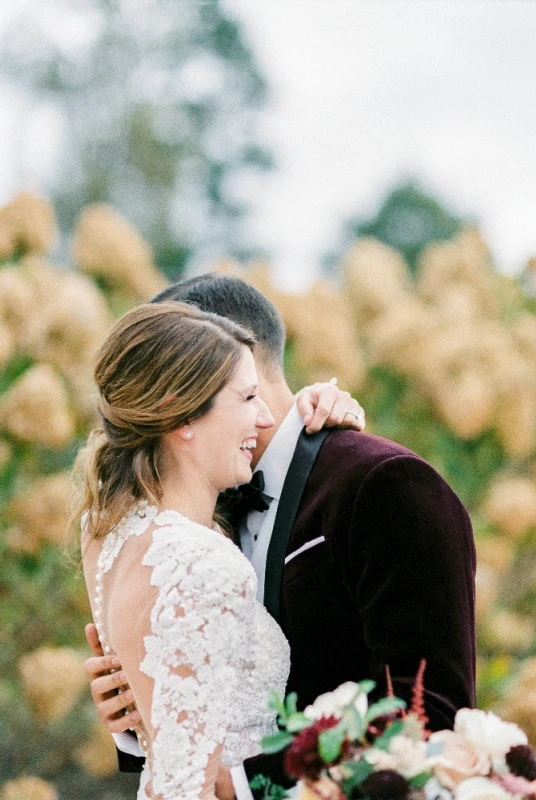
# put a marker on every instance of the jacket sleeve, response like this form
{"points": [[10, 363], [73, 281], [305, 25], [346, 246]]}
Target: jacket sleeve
{"points": [[128, 763], [268, 767], [413, 568]]}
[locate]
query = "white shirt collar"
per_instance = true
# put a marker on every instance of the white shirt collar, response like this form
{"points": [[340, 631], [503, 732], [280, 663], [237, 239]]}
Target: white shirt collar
{"points": [[276, 459]]}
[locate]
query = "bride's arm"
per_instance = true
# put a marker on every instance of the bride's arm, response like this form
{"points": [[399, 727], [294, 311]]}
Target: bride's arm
{"points": [[324, 405]]}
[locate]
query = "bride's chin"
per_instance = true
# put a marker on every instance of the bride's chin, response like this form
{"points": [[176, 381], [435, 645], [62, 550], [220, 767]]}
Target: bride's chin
{"points": [[245, 476]]}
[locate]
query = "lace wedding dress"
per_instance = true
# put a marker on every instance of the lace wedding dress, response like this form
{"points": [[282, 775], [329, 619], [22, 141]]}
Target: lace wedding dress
{"points": [[176, 602]]}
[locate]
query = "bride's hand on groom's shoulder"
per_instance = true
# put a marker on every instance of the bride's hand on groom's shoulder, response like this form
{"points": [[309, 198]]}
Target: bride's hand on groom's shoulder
{"points": [[109, 688], [324, 405]]}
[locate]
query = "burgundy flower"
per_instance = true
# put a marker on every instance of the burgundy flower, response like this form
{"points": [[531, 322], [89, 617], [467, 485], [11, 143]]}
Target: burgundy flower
{"points": [[302, 759], [521, 761], [386, 784]]}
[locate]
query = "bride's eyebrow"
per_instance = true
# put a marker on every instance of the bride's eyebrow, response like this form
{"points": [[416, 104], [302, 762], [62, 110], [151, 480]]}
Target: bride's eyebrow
{"points": [[247, 389]]}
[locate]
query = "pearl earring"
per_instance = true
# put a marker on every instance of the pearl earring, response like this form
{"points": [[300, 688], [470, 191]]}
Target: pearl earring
{"points": [[188, 435]]}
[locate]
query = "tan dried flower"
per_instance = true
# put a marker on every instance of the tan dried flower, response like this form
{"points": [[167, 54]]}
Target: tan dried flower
{"points": [[458, 302], [28, 788], [399, 336], [463, 262], [375, 278], [487, 584], [98, 755], [40, 513], [324, 339], [516, 420], [466, 404], [519, 702], [19, 307], [495, 552], [77, 321], [524, 334], [7, 344], [36, 408], [106, 246], [507, 631], [27, 223], [511, 505], [83, 393], [7, 243], [53, 679]]}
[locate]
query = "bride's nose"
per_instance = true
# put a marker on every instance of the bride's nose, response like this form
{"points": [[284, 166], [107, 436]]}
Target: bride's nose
{"points": [[264, 416]]}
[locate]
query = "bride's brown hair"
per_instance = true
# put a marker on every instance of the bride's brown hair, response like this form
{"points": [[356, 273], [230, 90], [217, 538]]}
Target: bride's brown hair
{"points": [[161, 367]]}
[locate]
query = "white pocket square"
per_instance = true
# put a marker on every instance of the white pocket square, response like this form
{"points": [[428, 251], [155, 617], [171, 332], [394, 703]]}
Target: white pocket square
{"points": [[304, 547]]}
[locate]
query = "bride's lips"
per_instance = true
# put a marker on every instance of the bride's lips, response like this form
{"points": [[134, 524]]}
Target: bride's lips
{"points": [[247, 446]]}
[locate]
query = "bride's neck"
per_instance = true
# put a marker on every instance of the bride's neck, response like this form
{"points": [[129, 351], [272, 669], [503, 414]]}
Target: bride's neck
{"points": [[190, 495]]}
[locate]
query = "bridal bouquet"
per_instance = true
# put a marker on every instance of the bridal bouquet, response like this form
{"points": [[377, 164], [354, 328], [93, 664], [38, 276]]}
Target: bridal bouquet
{"points": [[343, 748]]}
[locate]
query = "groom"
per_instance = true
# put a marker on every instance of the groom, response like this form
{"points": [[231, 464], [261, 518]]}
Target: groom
{"points": [[364, 555]]}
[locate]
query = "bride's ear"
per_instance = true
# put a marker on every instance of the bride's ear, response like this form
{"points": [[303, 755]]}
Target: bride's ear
{"points": [[185, 432]]}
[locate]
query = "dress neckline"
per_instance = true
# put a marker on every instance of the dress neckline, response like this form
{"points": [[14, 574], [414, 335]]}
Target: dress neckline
{"points": [[162, 512]]}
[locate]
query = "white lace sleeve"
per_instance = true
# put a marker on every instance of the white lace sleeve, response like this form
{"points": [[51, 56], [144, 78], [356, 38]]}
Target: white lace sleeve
{"points": [[196, 651]]}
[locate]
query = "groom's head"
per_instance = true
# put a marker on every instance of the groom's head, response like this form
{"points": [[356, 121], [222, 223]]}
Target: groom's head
{"points": [[239, 301]]}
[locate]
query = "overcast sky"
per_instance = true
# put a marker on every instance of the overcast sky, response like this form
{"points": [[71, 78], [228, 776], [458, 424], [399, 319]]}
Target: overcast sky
{"points": [[366, 92]]}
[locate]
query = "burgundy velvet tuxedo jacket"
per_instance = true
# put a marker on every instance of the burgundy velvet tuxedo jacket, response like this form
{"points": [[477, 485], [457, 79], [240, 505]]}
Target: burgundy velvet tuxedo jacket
{"points": [[391, 582]]}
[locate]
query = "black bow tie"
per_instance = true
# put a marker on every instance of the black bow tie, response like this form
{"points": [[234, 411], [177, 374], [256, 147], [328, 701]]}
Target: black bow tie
{"points": [[238, 502]]}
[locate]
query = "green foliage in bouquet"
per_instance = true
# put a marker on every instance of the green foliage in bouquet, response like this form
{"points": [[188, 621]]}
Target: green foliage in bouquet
{"points": [[342, 748]]}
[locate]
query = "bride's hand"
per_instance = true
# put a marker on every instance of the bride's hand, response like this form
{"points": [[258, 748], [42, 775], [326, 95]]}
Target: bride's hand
{"points": [[109, 688], [324, 405]]}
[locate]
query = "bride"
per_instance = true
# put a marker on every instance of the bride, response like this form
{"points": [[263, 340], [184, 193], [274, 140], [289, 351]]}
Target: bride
{"points": [[171, 595]]}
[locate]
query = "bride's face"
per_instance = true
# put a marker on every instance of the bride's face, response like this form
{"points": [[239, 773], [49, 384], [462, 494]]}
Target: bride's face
{"points": [[225, 438]]}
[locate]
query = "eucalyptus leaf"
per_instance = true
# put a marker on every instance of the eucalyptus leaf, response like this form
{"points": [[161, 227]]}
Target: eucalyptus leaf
{"points": [[355, 724], [357, 772], [330, 742], [276, 742], [385, 706], [394, 729], [276, 702], [291, 703], [419, 781], [297, 722]]}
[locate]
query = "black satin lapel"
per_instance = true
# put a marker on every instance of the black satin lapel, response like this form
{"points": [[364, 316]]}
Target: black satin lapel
{"points": [[302, 462]]}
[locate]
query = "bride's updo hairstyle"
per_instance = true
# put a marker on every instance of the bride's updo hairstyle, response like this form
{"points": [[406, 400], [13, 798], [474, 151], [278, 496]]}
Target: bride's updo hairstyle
{"points": [[161, 367]]}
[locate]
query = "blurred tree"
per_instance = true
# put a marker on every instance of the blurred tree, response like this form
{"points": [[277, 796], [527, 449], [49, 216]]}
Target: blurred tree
{"points": [[408, 219], [155, 107]]}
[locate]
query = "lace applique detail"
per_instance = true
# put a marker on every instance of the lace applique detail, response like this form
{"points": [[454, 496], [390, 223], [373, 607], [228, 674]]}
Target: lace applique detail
{"points": [[134, 524], [213, 653]]}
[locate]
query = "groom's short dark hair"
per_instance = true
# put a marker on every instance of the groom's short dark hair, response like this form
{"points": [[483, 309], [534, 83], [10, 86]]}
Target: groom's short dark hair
{"points": [[239, 301]]}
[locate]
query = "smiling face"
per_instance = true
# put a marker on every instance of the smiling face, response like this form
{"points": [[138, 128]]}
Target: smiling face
{"points": [[223, 441]]}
